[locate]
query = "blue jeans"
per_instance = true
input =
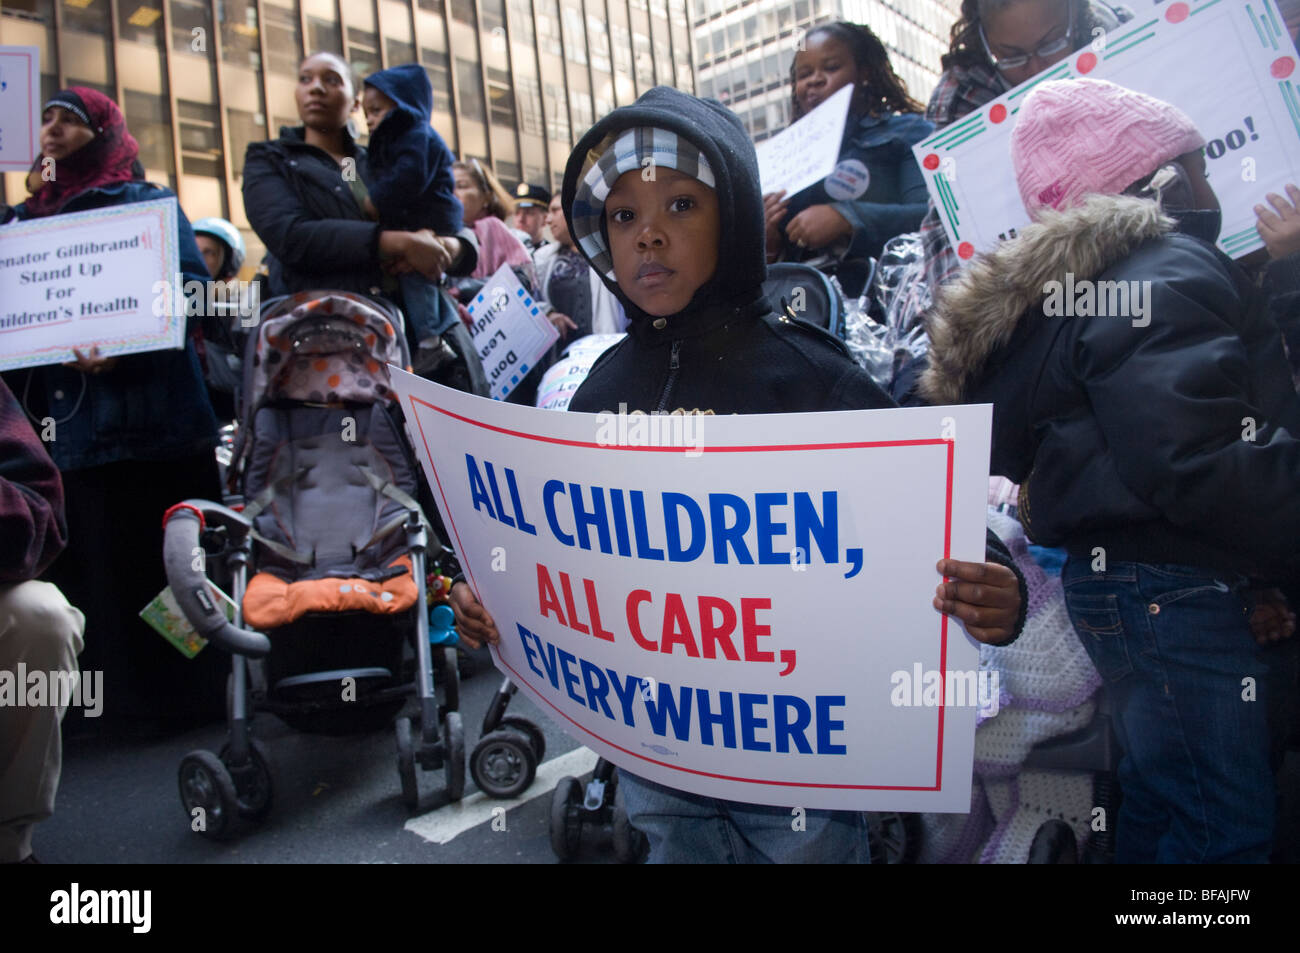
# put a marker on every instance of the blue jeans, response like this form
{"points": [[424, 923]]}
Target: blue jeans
{"points": [[426, 310], [691, 829], [1173, 645]]}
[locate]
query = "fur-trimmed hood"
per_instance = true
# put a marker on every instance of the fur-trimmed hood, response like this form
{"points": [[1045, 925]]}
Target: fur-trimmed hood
{"points": [[978, 312]]}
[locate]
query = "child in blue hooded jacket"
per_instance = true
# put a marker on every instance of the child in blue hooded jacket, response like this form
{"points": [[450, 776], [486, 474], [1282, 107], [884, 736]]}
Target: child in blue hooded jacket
{"points": [[411, 186]]}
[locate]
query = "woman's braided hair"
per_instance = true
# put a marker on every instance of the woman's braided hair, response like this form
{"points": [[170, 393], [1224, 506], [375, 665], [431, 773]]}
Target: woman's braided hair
{"points": [[886, 91]]}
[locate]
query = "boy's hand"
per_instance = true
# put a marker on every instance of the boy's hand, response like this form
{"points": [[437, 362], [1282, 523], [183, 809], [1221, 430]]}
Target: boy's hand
{"points": [[1280, 231], [427, 254], [774, 212], [817, 226], [472, 620], [1272, 621], [985, 596]]}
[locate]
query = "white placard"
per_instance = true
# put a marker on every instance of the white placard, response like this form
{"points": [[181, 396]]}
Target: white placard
{"points": [[563, 378], [20, 107], [107, 277], [805, 153], [1228, 64], [727, 604], [510, 331]]}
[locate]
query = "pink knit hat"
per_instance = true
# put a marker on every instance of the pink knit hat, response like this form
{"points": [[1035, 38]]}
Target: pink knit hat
{"points": [[1076, 137]]}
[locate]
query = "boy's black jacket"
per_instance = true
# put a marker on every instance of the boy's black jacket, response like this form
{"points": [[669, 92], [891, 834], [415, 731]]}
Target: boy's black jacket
{"points": [[1177, 442], [410, 181], [728, 351]]}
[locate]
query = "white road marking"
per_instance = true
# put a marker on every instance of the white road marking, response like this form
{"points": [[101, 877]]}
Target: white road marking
{"points": [[441, 825]]}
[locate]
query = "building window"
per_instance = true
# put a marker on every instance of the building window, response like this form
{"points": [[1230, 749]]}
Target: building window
{"points": [[243, 128], [200, 139], [435, 64], [363, 51], [501, 97], [529, 96], [140, 21], [521, 22], [494, 15], [463, 10], [598, 43], [557, 113], [324, 36], [470, 86], [400, 52], [507, 171], [574, 41], [548, 26], [147, 118], [239, 33], [283, 39]]}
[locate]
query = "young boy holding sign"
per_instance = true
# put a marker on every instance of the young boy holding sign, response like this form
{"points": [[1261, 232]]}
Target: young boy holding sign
{"points": [[653, 191]]}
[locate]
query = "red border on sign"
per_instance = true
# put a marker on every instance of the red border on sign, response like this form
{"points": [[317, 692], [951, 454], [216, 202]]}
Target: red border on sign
{"points": [[851, 445]]}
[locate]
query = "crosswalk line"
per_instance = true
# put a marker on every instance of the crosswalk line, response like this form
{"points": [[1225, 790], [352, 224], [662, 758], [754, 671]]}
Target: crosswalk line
{"points": [[445, 823]]}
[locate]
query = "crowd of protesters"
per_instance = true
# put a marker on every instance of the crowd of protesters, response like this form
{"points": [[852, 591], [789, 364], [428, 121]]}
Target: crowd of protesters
{"points": [[1121, 438]]}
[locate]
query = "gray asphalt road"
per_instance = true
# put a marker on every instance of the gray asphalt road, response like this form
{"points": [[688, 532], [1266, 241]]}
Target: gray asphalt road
{"points": [[337, 800]]}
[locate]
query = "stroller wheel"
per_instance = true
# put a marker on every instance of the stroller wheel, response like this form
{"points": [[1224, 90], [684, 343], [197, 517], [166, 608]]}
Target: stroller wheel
{"points": [[893, 838], [453, 739], [208, 794], [450, 679], [252, 781], [536, 739], [630, 844], [503, 764], [1054, 844], [566, 818], [406, 764]]}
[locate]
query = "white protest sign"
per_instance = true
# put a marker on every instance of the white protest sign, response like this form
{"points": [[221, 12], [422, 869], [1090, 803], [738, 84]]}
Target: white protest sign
{"points": [[510, 331], [105, 277], [563, 378], [1228, 64], [804, 153], [737, 606], [20, 107]]}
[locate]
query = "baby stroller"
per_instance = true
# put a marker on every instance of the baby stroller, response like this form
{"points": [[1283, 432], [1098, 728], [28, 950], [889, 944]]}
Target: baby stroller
{"points": [[337, 542]]}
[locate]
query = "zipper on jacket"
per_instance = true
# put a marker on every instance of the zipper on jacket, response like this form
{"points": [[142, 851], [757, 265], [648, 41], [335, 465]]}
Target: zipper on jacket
{"points": [[673, 365]]}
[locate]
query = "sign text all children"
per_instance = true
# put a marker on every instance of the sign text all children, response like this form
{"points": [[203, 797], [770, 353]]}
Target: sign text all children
{"points": [[721, 610]]}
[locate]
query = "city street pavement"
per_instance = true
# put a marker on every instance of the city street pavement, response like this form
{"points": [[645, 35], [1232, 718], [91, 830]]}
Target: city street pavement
{"points": [[336, 800]]}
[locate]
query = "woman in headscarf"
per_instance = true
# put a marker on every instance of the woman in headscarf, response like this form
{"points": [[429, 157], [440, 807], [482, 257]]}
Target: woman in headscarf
{"points": [[131, 435]]}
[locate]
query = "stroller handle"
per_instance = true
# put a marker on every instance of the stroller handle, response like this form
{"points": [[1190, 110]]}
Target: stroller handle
{"points": [[190, 585]]}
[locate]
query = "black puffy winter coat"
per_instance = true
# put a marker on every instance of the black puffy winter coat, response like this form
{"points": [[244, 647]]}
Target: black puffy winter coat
{"points": [[316, 236], [1169, 433]]}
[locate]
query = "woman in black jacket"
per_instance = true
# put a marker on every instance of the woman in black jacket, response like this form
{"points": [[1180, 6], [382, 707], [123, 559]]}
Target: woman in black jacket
{"points": [[303, 195]]}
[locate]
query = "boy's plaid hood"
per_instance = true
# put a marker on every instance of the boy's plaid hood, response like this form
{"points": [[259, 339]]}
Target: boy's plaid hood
{"points": [[719, 136]]}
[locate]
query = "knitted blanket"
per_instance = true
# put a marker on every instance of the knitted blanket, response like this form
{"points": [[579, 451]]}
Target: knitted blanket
{"points": [[1047, 686]]}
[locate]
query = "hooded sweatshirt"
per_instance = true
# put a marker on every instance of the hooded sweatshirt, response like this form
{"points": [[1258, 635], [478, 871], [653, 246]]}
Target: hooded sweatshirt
{"points": [[410, 179], [727, 351]]}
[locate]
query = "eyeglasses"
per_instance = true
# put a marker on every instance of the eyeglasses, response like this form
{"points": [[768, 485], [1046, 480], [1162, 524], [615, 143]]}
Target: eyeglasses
{"points": [[1043, 52]]}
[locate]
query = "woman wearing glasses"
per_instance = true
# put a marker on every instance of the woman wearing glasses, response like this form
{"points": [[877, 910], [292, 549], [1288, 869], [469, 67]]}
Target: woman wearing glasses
{"points": [[996, 46]]}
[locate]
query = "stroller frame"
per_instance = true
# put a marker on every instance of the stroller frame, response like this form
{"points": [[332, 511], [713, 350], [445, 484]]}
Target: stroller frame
{"points": [[219, 791]]}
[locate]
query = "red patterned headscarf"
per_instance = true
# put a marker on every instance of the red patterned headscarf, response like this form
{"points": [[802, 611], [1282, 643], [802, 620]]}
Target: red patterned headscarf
{"points": [[108, 158]]}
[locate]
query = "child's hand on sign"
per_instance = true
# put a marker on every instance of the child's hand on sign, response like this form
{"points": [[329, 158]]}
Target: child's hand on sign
{"points": [[1280, 231], [985, 596], [472, 620]]}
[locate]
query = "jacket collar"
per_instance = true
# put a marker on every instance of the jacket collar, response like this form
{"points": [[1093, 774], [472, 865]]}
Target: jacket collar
{"points": [[652, 331], [977, 313]]}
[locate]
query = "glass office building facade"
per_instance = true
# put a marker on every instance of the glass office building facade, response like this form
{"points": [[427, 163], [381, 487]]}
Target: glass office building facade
{"points": [[744, 48], [515, 82]]}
